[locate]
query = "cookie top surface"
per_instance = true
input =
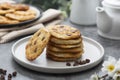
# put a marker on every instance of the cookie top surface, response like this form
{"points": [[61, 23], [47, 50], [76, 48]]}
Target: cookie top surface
{"points": [[64, 32], [37, 43]]}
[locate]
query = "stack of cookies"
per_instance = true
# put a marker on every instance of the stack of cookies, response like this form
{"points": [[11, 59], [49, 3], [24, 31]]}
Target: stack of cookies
{"points": [[65, 43]]}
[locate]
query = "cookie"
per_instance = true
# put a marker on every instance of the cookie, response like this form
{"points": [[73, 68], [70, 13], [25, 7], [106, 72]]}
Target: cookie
{"points": [[2, 12], [56, 49], [25, 13], [64, 55], [4, 20], [64, 41], [62, 59], [64, 32], [37, 43], [66, 45], [19, 17]]}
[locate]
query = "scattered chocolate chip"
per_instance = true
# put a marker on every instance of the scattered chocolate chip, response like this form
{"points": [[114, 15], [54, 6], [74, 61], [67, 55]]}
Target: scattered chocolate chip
{"points": [[68, 64], [2, 77], [14, 73], [1, 70], [87, 60], [9, 79], [83, 62], [75, 64], [9, 75], [4, 72], [78, 62]]}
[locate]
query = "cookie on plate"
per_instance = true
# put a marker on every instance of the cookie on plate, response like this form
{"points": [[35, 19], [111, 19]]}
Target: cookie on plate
{"points": [[66, 41], [66, 46], [62, 59], [37, 43], [64, 32], [64, 54], [56, 49]]}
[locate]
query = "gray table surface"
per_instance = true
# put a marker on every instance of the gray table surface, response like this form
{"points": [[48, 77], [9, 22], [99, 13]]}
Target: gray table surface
{"points": [[7, 62]]}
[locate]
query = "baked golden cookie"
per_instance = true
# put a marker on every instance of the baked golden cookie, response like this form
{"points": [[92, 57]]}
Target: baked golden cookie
{"points": [[4, 20], [5, 6], [64, 55], [66, 45], [20, 7], [25, 13], [16, 13], [56, 49], [64, 32], [19, 17], [66, 41], [37, 43], [62, 59], [2, 12]]}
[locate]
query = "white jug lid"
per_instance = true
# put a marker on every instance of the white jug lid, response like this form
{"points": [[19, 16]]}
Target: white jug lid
{"points": [[114, 3]]}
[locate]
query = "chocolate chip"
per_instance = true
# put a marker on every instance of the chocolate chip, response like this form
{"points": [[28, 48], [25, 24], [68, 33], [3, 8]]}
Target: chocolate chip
{"points": [[83, 62], [75, 64], [39, 34], [9, 75], [43, 38], [68, 64], [87, 60], [14, 73], [68, 34], [1, 70], [76, 61], [35, 42], [2, 77], [73, 31], [4, 72], [80, 62], [61, 26]]}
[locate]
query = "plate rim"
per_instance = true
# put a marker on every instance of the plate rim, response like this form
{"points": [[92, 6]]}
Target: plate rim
{"points": [[60, 68], [24, 22]]}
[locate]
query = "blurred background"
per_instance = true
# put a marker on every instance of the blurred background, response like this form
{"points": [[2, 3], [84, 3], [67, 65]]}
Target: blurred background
{"points": [[63, 5]]}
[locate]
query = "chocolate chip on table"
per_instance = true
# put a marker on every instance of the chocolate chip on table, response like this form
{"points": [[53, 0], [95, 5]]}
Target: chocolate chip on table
{"points": [[1, 70], [2, 77], [9, 75], [4, 72], [14, 73], [68, 64]]}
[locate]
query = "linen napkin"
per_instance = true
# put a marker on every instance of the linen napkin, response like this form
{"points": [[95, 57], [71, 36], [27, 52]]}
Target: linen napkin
{"points": [[49, 17]]}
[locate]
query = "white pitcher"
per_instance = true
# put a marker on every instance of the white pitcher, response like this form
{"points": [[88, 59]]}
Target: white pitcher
{"points": [[108, 19], [83, 12]]}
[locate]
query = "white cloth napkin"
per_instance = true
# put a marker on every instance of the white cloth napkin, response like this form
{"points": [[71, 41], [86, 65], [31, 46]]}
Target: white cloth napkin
{"points": [[49, 17]]}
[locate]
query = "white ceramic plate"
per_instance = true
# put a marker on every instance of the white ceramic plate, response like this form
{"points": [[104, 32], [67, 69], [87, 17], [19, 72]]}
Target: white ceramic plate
{"points": [[93, 51]]}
